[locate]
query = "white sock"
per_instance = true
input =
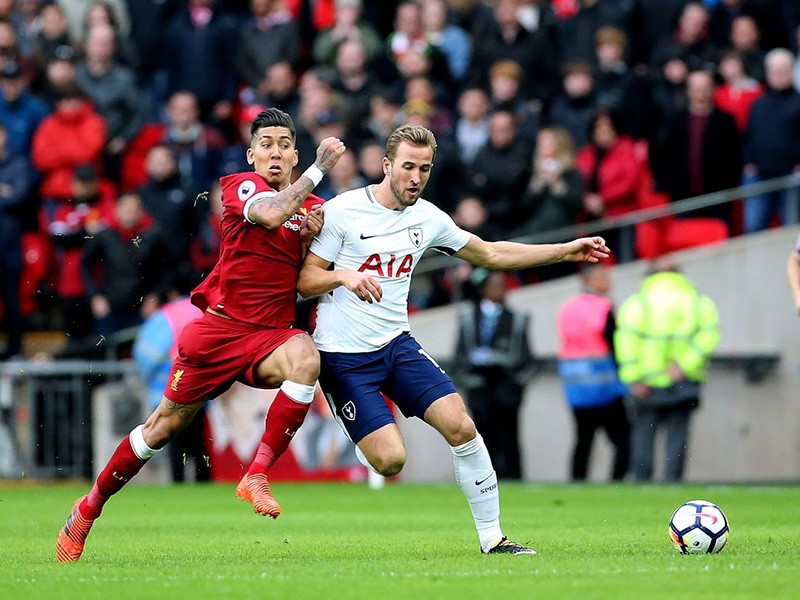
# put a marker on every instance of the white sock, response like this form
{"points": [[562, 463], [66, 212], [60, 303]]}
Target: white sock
{"points": [[299, 392], [478, 481], [375, 480], [139, 446]]}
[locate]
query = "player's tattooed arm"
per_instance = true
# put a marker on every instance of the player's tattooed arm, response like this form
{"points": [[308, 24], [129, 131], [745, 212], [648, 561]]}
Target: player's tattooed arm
{"points": [[274, 211]]}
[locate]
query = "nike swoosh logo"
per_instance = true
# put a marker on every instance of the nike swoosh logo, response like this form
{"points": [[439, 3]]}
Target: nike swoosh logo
{"points": [[366, 237], [484, 479]]}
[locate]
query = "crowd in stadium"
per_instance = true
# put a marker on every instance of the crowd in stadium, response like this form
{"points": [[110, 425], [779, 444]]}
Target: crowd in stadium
{"points": [[117, 118]]}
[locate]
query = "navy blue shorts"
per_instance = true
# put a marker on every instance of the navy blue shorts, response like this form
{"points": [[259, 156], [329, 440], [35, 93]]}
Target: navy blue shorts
{"points": [[402, 370]]}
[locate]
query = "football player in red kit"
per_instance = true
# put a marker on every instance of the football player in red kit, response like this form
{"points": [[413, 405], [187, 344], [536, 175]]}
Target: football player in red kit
{"points": [[247, 329]]}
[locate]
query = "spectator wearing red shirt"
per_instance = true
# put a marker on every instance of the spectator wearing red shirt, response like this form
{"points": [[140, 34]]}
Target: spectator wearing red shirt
{"points": [[90, 209], [738, 90], [613, 171], [73, 135], [611, 167]]}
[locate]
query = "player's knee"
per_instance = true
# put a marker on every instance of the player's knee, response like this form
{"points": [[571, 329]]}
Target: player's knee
{"points": [[460, 431], [390, 463], [304, 367]]}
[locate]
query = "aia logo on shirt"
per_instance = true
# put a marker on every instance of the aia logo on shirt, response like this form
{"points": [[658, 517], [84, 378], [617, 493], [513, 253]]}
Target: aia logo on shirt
{"points": [[389, 268], [246, 189]]}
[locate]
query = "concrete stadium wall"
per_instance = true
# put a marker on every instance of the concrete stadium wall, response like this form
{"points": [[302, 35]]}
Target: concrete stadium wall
{"points": [[742, 432]]}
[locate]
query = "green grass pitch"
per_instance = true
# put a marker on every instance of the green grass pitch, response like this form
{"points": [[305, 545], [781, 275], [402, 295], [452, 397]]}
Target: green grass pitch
{"points": [[404, 541]]}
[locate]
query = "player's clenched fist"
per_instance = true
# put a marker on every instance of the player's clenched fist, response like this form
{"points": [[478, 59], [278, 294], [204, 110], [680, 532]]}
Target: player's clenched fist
{"points": [[329, 151], [311, 224]]}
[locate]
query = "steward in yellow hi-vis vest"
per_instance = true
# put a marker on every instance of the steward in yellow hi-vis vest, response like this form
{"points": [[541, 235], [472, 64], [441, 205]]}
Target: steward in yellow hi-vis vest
{"points": [[665, 335]]}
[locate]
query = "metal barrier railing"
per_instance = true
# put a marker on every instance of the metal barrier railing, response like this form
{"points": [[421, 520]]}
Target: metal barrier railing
{"points": [[46, 418]]}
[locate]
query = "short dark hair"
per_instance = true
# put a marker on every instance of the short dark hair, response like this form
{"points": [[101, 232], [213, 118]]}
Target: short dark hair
{"points": [[272, 117], [70, 91], [613, 115]]}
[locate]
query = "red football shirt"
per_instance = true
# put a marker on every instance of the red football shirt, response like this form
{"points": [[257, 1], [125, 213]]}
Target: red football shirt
{"points": [[255, 279]]}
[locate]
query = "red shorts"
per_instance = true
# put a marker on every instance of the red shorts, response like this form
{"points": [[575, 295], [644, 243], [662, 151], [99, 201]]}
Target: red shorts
{"points": [[214, 352]]}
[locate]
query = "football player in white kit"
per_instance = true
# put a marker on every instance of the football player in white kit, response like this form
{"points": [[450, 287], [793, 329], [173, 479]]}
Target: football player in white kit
{"points": [[374, 237]]}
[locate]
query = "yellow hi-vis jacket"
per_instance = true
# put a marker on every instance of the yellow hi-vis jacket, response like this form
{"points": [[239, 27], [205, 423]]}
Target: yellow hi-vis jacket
{"points": [[666, 322]]}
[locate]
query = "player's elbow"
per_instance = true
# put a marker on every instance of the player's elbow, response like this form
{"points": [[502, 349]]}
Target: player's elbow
{"points": [[271, 221], [262, 215], [488, 257]]}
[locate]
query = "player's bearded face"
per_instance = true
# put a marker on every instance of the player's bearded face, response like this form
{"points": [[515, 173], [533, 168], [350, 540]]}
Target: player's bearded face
{"points": [[409, 173], [273, 154]]}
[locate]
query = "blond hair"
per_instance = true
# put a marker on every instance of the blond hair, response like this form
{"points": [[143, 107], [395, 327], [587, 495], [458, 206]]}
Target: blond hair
{"points": [[416, 135], [565, 150], [611, 35], [506, 68]]}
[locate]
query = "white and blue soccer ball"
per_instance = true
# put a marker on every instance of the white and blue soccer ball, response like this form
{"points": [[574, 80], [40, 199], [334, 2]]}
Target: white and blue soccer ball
{"points": [[698, 527]]}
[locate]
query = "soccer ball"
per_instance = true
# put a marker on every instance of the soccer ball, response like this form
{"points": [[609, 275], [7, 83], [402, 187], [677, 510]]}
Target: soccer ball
{"points": [[698, 527]]}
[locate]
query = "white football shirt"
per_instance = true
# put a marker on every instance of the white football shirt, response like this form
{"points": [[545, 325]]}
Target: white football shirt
{"points": [[360, 234]]}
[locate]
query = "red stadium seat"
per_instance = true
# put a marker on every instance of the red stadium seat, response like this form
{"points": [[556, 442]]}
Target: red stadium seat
{"points": [[669, 234], [700, 231]]}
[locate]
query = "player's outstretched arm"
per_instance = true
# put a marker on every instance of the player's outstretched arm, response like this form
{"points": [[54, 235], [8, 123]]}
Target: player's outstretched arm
{"points": [[274, 211], [508, 256], [315, 279], [793, 275]]}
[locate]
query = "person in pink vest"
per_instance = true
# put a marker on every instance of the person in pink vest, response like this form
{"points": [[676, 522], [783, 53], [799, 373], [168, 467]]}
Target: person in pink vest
{"points": [[588, 372], [154, 349]]}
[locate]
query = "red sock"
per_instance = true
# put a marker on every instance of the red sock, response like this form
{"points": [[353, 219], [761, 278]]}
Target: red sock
{"points": [[283, 420], [122, 466]]}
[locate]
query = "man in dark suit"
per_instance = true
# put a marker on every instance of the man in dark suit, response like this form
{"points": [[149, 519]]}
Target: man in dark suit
{"points": [[493, 364], [701, 150]]}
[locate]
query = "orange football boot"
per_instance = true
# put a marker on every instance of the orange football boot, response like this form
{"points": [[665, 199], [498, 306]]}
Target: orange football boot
{"points": [[254, 488], [72, 536]]}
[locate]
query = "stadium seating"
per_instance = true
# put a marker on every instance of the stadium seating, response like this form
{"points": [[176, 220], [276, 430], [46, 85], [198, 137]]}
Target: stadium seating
{"points": [[671, 233]]}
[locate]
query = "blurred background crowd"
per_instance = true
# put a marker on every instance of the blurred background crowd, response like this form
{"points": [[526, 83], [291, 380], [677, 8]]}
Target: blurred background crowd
{"points": [[117, 118]]}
